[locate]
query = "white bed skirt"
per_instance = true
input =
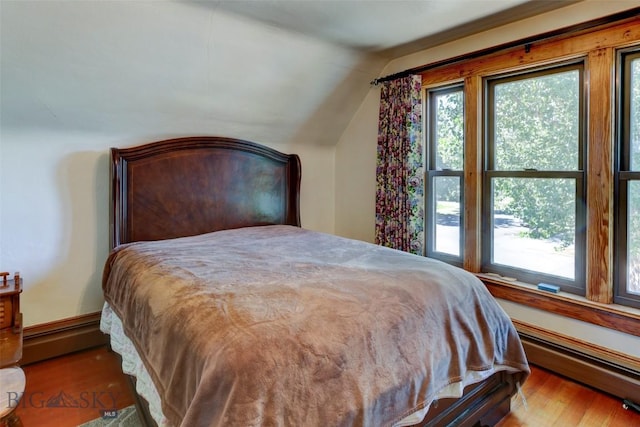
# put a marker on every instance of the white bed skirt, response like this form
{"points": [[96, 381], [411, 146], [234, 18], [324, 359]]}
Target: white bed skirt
{"points": [[132, 364]]}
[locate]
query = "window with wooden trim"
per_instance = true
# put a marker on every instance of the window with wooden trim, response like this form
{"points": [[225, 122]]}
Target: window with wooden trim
{"points": [[627, 246], [534, 186], [600, 183]]}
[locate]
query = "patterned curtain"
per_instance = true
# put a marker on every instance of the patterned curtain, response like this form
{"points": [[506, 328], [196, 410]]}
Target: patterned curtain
{"points": [[399, 172]]}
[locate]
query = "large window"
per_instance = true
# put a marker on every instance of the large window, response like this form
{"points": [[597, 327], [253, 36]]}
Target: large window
{"points": [[534, 186], [628, 181], [550, 182], [445, 162]]}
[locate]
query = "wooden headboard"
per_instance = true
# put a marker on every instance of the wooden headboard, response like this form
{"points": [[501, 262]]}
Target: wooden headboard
{"points": [[187, 186]]}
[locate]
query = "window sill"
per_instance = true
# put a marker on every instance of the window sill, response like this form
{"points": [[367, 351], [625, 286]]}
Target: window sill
{"points": [[612, 316]]}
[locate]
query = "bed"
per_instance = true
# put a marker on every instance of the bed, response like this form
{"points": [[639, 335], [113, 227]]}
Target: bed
{"points": [[227, 312]]}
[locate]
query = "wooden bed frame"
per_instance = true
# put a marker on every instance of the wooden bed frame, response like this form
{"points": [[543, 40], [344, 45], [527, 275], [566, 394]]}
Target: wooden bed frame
{"points": [[194, 185]]}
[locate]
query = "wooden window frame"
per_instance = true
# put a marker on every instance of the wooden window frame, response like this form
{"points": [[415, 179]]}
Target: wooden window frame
{"points": [[597, 45]]}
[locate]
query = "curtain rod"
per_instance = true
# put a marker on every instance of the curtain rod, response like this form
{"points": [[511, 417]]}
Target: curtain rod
{"points": [[525, 42]]}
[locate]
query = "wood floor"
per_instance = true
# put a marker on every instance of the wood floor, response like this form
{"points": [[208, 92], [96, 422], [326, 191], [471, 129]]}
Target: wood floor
{"points": [[92, 381], [71, 390], [552, 400]]}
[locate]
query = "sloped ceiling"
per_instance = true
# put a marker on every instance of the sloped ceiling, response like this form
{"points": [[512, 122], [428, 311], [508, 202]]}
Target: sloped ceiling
{"points": [[269, 71]]}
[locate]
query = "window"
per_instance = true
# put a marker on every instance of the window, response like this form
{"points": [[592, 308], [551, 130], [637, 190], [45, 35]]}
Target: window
{"points": [[534, 186], [627, 248], [445, 161], [546, 195]]}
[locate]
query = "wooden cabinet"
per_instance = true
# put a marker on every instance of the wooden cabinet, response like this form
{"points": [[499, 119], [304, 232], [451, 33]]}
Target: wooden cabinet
{"points": [[12, 378], [6, 311], [10, 320]]}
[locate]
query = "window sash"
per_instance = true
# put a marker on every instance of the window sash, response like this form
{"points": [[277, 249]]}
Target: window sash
{"points": [[623, 177], [431, 218], [490, 83], [433, 173], [575, 285], [432, 125]]}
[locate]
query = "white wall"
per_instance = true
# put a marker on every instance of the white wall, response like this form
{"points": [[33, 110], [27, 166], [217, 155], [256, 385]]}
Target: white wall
{"points": [[356, 150], [54, 218], [356, 172]]}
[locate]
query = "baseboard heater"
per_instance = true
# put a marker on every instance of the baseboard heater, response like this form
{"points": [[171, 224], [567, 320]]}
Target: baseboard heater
{"points": [[62, 337], [597, 372]]}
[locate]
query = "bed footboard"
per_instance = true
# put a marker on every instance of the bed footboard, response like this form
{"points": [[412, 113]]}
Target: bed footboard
{"points": [[483, 404]]}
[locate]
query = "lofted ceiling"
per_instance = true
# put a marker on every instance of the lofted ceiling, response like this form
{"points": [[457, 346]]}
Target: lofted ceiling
{"points": [[276, 72], [391, 27]]}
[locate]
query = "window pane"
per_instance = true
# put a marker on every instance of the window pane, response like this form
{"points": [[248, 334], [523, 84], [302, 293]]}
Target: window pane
{"points": [[635, 115], [534, 224], [537, 122], [449, 130], [447, 233], [633, 238]]}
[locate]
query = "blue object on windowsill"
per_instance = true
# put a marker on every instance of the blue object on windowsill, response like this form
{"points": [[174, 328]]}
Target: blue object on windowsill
{"points": [[549, 288]]}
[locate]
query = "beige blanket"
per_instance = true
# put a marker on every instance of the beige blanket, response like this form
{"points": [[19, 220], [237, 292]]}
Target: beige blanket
{"points": [[283, 326]]}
